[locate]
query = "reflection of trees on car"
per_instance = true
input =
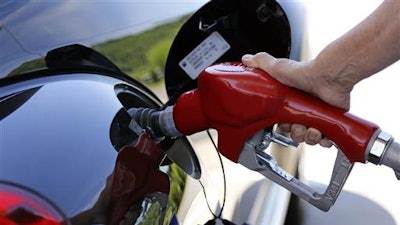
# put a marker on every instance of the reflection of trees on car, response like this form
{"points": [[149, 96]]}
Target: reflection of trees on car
{"points": [[99, 212], [142, 55], [30, 65], [178, 180], [157, 57]]}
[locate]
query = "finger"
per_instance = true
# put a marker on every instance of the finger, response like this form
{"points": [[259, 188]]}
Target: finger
{"points": [[282, 69], [312, 136], [297, 132], [325, 142], [260, 60], [249, 61], [285, 127]]}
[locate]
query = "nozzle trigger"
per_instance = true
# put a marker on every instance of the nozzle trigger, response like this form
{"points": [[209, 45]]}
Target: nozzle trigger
{"points": [[255, 159]]}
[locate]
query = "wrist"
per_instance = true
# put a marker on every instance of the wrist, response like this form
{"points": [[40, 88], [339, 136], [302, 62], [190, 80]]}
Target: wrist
{"points": [[332, 82]]}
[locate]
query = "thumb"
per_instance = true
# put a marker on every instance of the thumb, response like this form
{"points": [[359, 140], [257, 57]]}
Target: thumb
{"points": [[249, 61], [268, 63], [260, 60]]}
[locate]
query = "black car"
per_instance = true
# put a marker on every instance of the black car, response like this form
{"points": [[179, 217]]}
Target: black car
{"points": [[70, 70]]}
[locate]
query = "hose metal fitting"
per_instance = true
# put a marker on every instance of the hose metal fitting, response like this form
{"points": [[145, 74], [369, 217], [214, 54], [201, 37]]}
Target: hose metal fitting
{"points": [[379, 147]]}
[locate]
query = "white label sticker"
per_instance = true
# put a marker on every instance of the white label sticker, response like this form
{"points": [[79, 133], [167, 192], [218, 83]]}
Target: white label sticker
{"points": [[205, 54]]}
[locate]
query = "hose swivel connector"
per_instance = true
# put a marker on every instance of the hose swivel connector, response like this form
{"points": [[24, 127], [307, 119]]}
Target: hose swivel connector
{"points": [[385, 151]]}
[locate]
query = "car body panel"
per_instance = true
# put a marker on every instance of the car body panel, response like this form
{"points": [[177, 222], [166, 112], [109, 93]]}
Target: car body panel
{"points": [[56, 125]]}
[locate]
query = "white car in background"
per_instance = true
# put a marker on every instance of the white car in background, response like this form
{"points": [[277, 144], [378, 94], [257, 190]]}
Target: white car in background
{"points": [[371, 194]]}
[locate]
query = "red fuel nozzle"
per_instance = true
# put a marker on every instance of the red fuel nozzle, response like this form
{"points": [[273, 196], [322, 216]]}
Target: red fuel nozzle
{"points": [[238, 101]]}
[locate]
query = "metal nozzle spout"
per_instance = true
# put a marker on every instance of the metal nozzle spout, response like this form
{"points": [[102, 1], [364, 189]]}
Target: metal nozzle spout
{"points": [[160, 122]]}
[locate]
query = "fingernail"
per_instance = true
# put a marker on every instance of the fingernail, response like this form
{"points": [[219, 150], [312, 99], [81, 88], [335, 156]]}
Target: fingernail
{"points": [[298, 130], [313, 136], [247, 57]]}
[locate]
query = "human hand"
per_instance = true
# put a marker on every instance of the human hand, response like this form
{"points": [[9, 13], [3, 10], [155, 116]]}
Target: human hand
{"points": [[300, 133], [303, 76], [307, 76]]}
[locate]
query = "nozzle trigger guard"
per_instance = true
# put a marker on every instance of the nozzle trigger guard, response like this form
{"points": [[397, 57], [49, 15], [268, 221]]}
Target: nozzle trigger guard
{"points": [[260, 161]]}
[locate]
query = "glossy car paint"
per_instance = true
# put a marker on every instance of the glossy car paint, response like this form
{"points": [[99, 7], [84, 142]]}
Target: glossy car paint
{"points": [[61, 122], [137, 175], [56, 132], [57, 141]]}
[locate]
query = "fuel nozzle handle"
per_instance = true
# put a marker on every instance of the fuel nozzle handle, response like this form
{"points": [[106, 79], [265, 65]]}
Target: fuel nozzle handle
{"points": [[239, 101]]}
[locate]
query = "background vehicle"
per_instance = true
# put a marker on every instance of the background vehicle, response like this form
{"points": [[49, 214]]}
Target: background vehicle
{"points": [[370, 193]]}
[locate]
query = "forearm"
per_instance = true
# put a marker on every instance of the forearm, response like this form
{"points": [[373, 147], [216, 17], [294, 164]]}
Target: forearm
{"points": [[366, 49]]}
